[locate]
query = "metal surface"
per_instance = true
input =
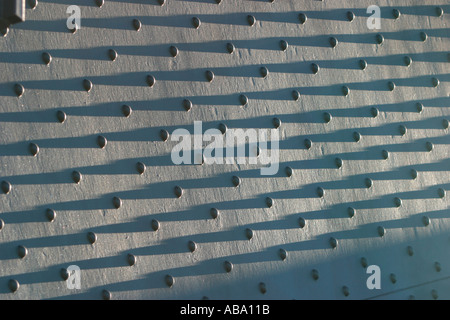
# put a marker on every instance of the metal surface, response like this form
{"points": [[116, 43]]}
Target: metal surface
{"points": [[85, 155]]}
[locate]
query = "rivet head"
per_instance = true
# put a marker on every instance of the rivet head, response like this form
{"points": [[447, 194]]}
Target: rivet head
{"points": [[178, 191], [345, 91], [320, 192], [228, 266], [379, 38], [375, 112], [437, 266], [435, 82], [363, 64], [13, 285], [445, 123], [419, 107], [87, 85], [351, 212], [243, 99], [398, 202], [170, 281], [333, 42], [236, 181], [283, 254], [126, 110], [6, 187], [381, 231], [425, 221], [410, 251], [307, 143], [22, 252], [269, 202], [393, 278], [251, 20], [77, 177], [364, 262], [288, 171], [155, 225], [100, 3], [439, 11], [50, 214], [47, 58], [301, 222], [391, 85], [117, 202], [414, 174], [315, 68], [2, 224], [302, 18], [423, 36], [61, 116], [161, 2], [151, 80], [230, 48], [284, 45], [131, 259], [222, 127], [333, 242], [140, 167], [102, 142], [74, 29], [92, 237], [164, 135], [64, 274], [192, 246], [350, 16], [33, 4], [4, 31], [262, 287], [441, 193], [356, 136], [408, 61], [429, 146], [112, 54], [106, 295], [402, 129], [19, 89], [137, 24], [249, 233], [214, 213], [385, 154], [295, 95], [315, 274], [346, 291], [396, 13], [327, 117], [276, 122], [196, 22], [434, 294], [34, 149], [264, 72], [209, 75]]}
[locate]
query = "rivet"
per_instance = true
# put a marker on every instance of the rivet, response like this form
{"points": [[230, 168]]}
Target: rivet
{"points": [[381, 231], [303, 18], [161, 2], [396, 13], [423, 36], [164, 135], [414, 174], [288, 171], [315, 274], [375, 112], [87, 85], [33, 4], [408, 61], [151, 80], [283, 254], [2, 224], [426, 221], [137, 24], [196, 22], [315, 68], [437, 266], [308, 143], [192, 246], [102, 142], [92, 237], [228, 266], [50, 214], [126, 110], [74, 29], [169, 280], [295, 95], [34, 149], [345, 91], [393, 278], [363, 64], [47, 58], [301, 222], [117, 202], [435, 82], [4, 31], [230, 47], [368, 182], [243, 99], [327, 117], [6, 187], [284, 45], [439, 12], [106, 295], [379, 38], [262, 287], [100, 3], [429, 146], [214, 213], [140, 167], [333, 42], [364, 262], [209, 75], [410, 251], [178, 191], [351, 212], [385, 154], [350, 16], [64, 274], [131, 258], [419, 107], [223, 128], [339, 162], [269, 202], [276, 122], [391, 85], [441, 193], [19, 89], [13, 285], [333, 242], [173, 51], [398, 202], [155, 225], [112, 54], [320, 192], [402, 129], [434, 294], [356, 136], [445, 123], [22, 252], [77, 177], [61, 116], [264, 72], [236, 181], [251, 20], [249, 233], [218, 1], [346, 291]]}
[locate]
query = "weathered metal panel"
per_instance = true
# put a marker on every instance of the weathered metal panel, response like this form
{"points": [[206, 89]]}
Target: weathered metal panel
{"points": [[60, 90]]}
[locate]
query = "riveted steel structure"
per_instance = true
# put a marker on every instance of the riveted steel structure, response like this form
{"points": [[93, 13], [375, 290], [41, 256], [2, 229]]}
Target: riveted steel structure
{"points": [[87, 178]]}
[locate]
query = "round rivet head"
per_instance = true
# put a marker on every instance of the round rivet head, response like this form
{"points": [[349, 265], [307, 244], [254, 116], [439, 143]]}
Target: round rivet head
{"points": [[429, 146], [445, 123], [228, 266], [178, 191], [140, 167], [262, 287], [47, 58], [87, 85], [295, 95], [106, 295], [385, 154], [356, 136], [315, 68], [22, 252], [276, 123], [434, 294], [117, 202], [33, 4], [61, 116], [350, 16], [196, 22], [393, 278], [381, 231], [64, 274], [402, 129], [102, 142], [192, 246], [437, 266], [137, 24], [6, 187], [425, 221], [131, 259], [251, 20], [302, 18], [398, 202], [351, 212], [375, 112], [441, 193], [19, 89], [151, 80], [391, 85], [223, 128], [50, 214], [301, 222], [4, 31], [346, 291], [435, 82], [439, 11], [164, 135], [283, 254], [264, 72], [243, 99], [249, 233], [74, 29], [307, 143], [419, 107], [100, 3], [364, 262], [339, 162], [92, 237], [126, 110], [269, 202], [408, 61], [315, 274], [288, 171], [333, 42], [363, 64], [155, 225], [230, 47], [379, 38], [161, 2], [112, 54], [2, 224], [327, 117], [77, 177], [396, 13], [13, 285], [284, 45], [345, 91], [410, 251], [170, 281], [333, 243], [414, 174], [209, 75], [236, 181], [423, 36], [187, 105], [214, 213], [34, 149], [320, 192]]}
